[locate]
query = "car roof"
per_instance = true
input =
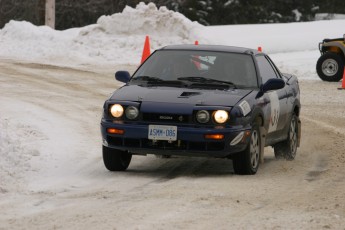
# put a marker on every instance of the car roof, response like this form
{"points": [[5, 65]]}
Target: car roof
{"points": [[219, 48]]}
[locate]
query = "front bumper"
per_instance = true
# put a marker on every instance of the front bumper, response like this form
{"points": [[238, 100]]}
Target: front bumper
{"points": [[190, 140]]}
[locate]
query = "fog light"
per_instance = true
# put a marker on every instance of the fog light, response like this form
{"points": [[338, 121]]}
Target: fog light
{"points": [[132, 112], [202, 116]]}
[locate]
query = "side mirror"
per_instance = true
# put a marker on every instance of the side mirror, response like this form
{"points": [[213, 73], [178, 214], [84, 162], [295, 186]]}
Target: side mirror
{"points": [[273, 84], [122, 76]]}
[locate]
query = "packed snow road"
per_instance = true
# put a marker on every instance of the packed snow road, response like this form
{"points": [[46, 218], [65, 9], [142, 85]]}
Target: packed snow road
{"points": [[52, 175]]}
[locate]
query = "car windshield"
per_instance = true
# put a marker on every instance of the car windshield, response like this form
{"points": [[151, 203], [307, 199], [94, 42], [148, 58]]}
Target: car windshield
{"points": [[202, 67]]}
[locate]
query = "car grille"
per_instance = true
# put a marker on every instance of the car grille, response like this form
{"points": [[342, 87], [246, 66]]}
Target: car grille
{"points": [[154, 117], [176, 145]]}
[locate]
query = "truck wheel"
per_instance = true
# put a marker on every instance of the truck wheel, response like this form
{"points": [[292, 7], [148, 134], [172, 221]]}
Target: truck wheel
{"points": [[287, 149], [116, 160], [247, 162], [330, 67]]}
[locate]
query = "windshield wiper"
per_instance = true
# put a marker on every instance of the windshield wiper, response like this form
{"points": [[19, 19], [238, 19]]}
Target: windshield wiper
{"points": [[147, 78], [157, 81], [204, 80]]}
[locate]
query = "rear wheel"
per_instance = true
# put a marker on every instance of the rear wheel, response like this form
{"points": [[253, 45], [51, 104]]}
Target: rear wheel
{"points": [[247, 162], [330, 67], [116, 160], [287, 149]]}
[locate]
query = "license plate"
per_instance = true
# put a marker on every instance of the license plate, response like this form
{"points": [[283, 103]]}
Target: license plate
{"points": [[162, 132]]}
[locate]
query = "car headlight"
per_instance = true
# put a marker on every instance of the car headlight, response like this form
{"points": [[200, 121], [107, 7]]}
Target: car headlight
{"points": [[221, 116], [116, 110], [202, 116], [132, 112]]}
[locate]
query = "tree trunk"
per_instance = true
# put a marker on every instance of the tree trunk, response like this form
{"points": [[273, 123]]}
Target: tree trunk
{"points": [[50, 13]]}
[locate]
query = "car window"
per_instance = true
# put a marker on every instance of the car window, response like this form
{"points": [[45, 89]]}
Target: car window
{"points": [[265, 68], [173, 64], [276, 70]]}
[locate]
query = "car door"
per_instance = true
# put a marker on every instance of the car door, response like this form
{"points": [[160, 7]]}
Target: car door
{"points": [[277, 113]]}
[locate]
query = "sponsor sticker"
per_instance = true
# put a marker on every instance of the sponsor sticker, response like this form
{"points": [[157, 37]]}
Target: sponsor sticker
{"points": [[275, 112], [245, 107]]}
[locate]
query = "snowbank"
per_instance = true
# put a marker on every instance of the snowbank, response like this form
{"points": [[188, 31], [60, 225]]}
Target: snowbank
{"points": [[115, 39], [147, 19], [119, 38]]}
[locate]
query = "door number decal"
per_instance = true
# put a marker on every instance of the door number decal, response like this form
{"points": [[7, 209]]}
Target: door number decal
{"points": [[275, 112]]}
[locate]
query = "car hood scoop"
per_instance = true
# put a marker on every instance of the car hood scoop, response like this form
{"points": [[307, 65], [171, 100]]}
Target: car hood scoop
{"points": [[189, 94]]}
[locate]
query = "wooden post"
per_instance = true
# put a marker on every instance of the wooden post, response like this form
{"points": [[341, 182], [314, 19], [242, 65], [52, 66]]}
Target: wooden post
{"points": [[50, 13]]}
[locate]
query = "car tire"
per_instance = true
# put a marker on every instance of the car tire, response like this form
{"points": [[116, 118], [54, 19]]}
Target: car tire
{"points": [[247, 162], [116, 160], [287, 149], [330, 67]]}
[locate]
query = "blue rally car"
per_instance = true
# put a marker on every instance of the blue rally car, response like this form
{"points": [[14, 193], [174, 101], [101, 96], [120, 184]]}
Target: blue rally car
{"points": [[203, 100]]}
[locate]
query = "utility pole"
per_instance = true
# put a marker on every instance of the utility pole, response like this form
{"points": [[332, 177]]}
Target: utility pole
{"points": [[50, 13]]}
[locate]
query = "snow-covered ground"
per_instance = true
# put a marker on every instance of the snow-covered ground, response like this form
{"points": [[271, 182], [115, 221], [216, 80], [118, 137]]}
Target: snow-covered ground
{"points": [[53, 84]]}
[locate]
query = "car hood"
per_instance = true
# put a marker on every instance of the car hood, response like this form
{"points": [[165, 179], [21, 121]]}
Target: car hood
{"points": [[160, 99]]}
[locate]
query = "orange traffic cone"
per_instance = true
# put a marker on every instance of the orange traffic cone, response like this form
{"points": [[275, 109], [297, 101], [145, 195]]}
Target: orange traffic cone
{"points": [[146, 50], [343, 81]]}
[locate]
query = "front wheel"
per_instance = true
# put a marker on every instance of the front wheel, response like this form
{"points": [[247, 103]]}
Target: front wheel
{"points": [[247, 162], [330, 67], [287, 149], [116, 160]]}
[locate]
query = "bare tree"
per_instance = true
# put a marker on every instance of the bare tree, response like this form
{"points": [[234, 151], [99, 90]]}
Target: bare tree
{"points": [[50, 13]]}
